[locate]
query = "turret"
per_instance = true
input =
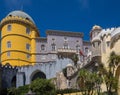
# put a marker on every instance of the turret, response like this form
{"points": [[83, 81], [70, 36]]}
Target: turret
{"points": [[95, 31], [96, 42], [17, 39]]}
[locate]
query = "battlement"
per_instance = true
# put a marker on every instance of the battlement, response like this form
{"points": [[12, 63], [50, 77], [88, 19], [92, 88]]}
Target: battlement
{"points": [[8, 66], [16, 17], [108, 29]]}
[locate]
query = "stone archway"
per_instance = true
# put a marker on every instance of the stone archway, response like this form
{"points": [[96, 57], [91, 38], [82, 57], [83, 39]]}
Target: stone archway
{"points": [[37, 74], [118, 77]]}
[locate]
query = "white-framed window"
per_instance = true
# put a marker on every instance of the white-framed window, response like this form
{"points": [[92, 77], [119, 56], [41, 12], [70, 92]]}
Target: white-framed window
{"points": [[65, 46], [27, 30], [9, 27], [28, 56], [8, 53], [53, 47], [43, 57], [42, 47], [86, 50], [27, 46], [78, 48], [8, 44]]}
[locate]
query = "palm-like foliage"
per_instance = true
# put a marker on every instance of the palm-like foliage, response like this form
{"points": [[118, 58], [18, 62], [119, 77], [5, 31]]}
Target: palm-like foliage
{"points": [[75, 59], [109, 75], [13, 91], [88, 81]]}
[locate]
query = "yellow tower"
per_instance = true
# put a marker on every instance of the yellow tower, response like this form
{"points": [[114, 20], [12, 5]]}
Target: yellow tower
{"points": [[18, 45]]}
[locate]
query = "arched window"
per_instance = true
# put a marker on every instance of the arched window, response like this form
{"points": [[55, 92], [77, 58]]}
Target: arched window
{"points": [[27, 46], [65, 39], [42, 47], [27, 30], [28, 56], [8, 54], [9, 27], [8, 44], [53, 47]]}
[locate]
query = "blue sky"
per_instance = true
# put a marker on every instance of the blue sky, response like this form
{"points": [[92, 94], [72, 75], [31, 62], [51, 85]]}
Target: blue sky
{"points": [[67, 15]]}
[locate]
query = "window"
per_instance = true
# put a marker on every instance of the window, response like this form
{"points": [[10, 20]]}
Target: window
{"points": [[43, 47], [108, 43], [9, 27], [27, 30], [93, 44], [8, 53], [77, 41], [27, 46], [53, 39], [77, 48], [65, 45], [86, 50], [53, 47], [53, 56], [28, 56], [65, 39], [43, 57], [8, 44]]}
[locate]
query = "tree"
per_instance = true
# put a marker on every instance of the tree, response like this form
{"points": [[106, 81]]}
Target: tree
{"points": [[109, 74], [75, 59], [13, 91], [42, 87], [111, 81], [88, 81]]}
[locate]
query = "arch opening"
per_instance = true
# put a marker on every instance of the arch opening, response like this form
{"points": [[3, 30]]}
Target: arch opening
{"points": [[13, 81], [37, 74]]}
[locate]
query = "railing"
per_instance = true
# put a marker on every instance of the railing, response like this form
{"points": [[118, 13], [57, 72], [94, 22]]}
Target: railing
{"points": [[66, 50]]}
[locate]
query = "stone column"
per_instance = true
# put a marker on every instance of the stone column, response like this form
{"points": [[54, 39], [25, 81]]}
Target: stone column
{"points": [[20, 79]]}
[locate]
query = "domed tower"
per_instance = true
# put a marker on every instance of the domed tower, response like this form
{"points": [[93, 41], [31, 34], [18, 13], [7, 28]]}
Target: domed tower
{"points": [[96, 42], [18, 33], [95, 31]]}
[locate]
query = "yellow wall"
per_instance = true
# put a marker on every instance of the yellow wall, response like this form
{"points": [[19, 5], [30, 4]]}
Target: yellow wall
{"points": [[33, 47], [18, 38], [116, 47], [105, 55]]}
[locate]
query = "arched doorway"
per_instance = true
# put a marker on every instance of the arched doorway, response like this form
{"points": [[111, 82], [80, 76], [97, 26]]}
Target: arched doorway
{"points": [[37, 74], [118, 77], [13, 81]]}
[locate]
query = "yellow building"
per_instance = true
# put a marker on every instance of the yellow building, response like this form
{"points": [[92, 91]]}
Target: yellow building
{"points": [[18, 33]]}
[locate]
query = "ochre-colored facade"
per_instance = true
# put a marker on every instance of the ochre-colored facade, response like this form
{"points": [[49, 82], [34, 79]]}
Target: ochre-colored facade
{"points": [[18, 40], [105, 41]]}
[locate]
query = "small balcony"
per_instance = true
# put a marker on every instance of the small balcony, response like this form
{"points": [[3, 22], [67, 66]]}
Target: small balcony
{"points": [[65, 52]]}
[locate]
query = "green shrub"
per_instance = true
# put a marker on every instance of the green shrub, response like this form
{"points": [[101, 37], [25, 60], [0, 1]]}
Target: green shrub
{"points": [[67, 91]]}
